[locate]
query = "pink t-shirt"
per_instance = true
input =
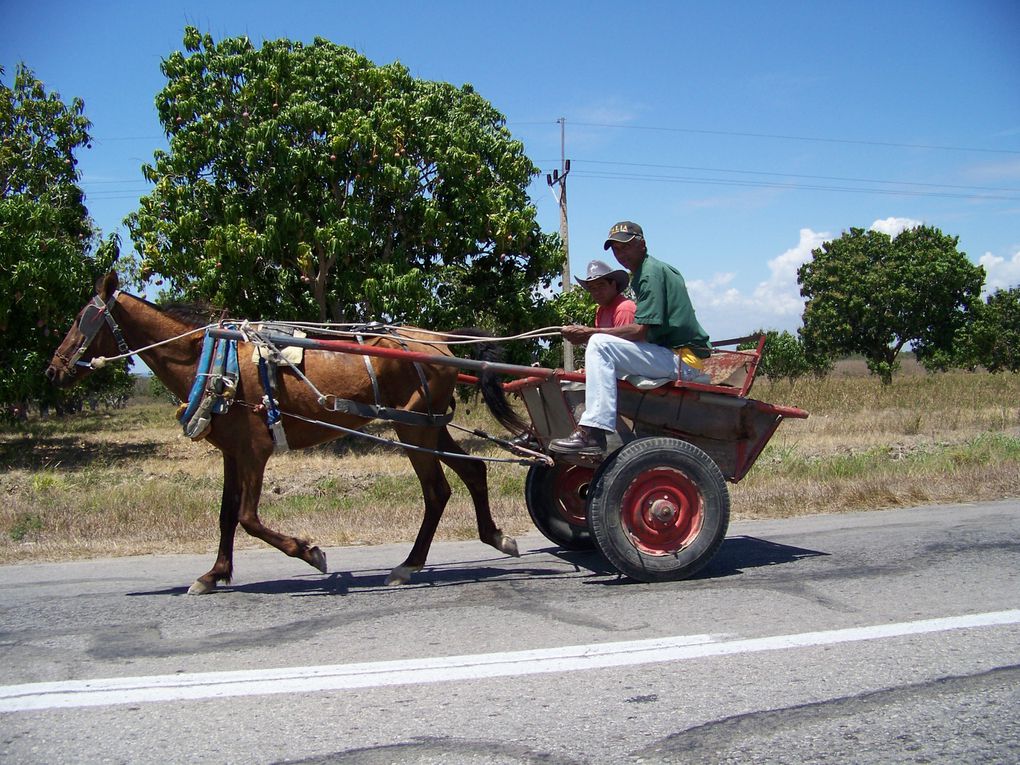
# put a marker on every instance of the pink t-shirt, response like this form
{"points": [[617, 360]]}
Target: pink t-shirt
{"points": [[617, 314]]}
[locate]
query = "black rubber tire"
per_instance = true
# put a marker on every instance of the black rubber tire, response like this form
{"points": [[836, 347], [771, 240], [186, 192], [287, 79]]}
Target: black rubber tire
{"points": [[660, 510], [556, 497]]}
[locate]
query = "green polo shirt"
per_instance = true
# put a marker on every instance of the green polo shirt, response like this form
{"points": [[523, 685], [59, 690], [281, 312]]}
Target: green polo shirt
{"points": [[664, 306]]}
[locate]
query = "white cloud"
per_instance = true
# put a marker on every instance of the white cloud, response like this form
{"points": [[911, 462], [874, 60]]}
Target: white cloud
{"points": [[999, 272], [893, 226], [774, 303], [780, 293]]}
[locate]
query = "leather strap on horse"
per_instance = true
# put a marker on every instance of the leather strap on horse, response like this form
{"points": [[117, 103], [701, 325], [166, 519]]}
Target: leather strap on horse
{"points": [[89, 325], [122, 345], [273, 417], [371, 372], [421, 376], [377, 411]]}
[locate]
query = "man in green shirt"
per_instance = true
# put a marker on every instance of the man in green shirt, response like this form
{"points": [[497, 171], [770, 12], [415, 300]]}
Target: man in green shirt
{"points": [[665, 340]]}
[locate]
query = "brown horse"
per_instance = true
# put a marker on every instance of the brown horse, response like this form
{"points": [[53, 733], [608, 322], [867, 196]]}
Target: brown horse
{"points": [[114, 321]]}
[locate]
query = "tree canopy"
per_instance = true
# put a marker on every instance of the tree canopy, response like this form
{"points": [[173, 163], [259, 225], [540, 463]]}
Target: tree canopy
{"points": [[872, 294], [992, 339], [305, 181], [50, 251]]}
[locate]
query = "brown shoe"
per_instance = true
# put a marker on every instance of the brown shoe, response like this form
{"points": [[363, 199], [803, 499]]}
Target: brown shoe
{"points": [[581, 441]]}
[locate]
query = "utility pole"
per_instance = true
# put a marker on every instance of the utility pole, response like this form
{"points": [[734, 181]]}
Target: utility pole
{"points": [[559, 178]]}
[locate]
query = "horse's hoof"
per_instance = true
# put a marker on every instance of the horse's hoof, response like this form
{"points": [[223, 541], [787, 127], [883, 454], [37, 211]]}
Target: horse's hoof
{"points": [[508, 545], [401, 575], [200, 588], [317, 558]]}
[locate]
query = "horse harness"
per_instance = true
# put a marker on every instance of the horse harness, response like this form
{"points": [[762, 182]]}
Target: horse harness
{"points": [[217, 374], [377, 411], [95, 312]]}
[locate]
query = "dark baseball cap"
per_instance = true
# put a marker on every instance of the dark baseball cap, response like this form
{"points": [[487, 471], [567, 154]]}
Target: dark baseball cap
{"points": [[623, 231]]}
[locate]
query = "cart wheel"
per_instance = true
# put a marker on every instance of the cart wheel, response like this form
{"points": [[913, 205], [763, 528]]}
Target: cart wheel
{"points": [[556, 497], [660, 510]]}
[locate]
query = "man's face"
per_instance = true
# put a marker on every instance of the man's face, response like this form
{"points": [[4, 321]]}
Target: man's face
{"points": [[602, 290], [629, 254]]}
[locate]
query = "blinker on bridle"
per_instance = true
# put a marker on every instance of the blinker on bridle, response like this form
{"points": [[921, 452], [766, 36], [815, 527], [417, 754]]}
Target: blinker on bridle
{"points": [[89, 323]]}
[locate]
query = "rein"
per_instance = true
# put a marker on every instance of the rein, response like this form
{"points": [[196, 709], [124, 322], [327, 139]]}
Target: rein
{"points": [[97, 312]]}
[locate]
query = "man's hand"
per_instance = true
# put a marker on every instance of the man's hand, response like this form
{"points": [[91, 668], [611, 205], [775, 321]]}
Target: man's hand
{"points": [[578, 334]]}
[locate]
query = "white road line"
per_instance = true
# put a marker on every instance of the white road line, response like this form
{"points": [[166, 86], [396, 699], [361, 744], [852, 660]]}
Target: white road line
{"points": [[209, 685]]}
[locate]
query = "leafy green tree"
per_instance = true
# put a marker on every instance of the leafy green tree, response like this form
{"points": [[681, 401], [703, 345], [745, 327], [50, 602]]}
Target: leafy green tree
{"points": [[993, 338], [50, 253], [784, 358], [304, 181], [872, 294]]}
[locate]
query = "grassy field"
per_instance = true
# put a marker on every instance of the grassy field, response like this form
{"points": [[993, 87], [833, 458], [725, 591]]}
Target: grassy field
{"points": [[126, 482]]}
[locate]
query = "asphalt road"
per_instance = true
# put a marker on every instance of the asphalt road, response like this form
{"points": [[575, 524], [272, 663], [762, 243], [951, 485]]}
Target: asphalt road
{"points": [[877, 637]]}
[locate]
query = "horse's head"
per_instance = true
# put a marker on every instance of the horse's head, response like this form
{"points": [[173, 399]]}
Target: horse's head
{"points": [[94, 333]]}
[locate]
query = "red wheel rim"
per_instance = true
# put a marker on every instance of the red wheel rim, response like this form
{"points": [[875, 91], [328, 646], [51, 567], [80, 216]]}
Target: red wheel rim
{"points": [[662, 511], [572, 484]]}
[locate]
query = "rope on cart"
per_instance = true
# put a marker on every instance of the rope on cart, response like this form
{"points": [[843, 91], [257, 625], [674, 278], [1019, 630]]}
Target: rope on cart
{"points": [[384, 330]]}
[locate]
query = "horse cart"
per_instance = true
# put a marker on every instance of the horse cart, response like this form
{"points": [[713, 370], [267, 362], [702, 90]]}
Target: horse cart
{"points": [[656, 505]]}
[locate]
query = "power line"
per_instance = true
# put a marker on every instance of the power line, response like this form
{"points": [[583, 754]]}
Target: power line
{"points": [[782, 137], [794, 175], [787, 186]]}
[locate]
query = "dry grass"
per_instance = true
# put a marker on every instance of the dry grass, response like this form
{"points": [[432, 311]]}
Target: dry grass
{"points": [[127, 482], [924, 439]]}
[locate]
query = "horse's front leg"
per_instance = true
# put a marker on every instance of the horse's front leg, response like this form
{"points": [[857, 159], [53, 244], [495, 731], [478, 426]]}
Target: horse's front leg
{"points": [[475, 476], [241, 494], [230, 504], [251, 471]]}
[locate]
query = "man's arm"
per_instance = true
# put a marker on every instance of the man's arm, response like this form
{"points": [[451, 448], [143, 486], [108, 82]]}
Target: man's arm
{"points": [[575, 333]]}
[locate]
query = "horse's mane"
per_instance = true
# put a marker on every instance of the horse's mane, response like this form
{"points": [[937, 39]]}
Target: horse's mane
{"points": [[197, 314]]}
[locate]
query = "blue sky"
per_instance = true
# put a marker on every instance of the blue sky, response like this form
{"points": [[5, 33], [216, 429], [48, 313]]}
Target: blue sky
{"points": [[739, 134]]}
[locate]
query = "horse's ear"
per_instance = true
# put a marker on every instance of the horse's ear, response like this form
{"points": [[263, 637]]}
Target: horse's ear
{"points": [[107, 285]]}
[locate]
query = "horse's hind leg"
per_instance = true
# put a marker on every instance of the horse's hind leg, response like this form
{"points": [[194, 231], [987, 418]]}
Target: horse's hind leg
{"points": [[475, 476], [435, 491]]}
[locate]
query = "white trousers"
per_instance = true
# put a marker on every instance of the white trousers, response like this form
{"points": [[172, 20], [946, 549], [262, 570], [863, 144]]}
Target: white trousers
{"points": [[608, 359]]}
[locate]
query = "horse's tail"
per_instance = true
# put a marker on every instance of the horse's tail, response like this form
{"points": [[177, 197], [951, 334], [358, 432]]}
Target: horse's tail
{"points": [[488, 381]]}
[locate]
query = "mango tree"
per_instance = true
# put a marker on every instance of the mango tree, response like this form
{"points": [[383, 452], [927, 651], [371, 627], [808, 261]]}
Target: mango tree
{"points": [[870, 293], [304, 181], [50, 253]]}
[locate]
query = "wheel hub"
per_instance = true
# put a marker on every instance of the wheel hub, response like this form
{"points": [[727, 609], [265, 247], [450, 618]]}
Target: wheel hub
{"points": [[662, 511]]}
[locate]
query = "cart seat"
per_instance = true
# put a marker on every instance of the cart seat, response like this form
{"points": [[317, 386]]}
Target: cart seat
{"points": [[726, 368]]}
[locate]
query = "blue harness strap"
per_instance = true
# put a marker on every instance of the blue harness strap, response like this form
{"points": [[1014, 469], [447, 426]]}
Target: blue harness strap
{"points": [[224, 374], [272, 413], [198, 386]]}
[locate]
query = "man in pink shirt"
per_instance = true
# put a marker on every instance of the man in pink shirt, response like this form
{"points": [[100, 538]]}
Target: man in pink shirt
{"points": [[606, 286]]}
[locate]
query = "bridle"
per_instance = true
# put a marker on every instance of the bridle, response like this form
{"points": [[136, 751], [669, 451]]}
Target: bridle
{"points": [[89, 323]]}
